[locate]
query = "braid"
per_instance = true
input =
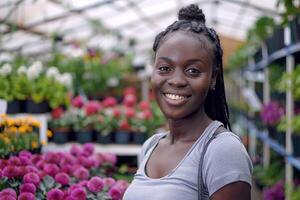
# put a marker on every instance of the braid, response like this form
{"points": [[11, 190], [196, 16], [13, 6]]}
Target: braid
{"points": [[192, 19]]}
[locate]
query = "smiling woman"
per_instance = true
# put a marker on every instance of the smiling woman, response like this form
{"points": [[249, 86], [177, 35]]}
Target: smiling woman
{"points": [[199, 157]]}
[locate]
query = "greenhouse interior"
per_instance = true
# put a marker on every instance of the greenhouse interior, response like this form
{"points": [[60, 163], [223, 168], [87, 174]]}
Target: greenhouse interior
{"points": [[77, 102]]}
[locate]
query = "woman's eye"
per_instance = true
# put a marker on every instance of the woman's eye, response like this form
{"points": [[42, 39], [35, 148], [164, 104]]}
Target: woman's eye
{"points": [[164, 68], [193, 71]]}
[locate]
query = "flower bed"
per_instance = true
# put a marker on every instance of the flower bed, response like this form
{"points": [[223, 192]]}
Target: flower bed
{"points": [[78, 174], [19, 134]]}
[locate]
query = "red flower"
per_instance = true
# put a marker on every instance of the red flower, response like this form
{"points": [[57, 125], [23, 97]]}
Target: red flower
{"points": [[78, 101], [144, 105], [124, 125], [129, 100], [146, 114], [129, 90], [129, 113], [116, 113], [57, 113], [92, 107], [109, 102]]}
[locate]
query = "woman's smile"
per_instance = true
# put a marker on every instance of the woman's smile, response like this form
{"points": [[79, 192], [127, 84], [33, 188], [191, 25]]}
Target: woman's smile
{"points": [[174, 99]]}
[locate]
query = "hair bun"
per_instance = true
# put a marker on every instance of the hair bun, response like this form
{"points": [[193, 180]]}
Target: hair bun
{"points": [[191, 13]]}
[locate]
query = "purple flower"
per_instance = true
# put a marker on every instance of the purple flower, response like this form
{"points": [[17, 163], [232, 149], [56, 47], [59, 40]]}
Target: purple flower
{"points": [[271, 113], [95, 184], [31, 169], [122, 185], [25, 153], [51, 169], [75, 150], [28, 187], [67, 169], [79, 193], [83, 183], [10, 171], [81, 173], [55, 194], [14, 161], [25, 160], [51, 157], [88, 149], [7, 197], [111, 158], [26, 196], [62, 178], [109, 182], [32, 178], [115, 193], [275, 192], [8, 192]]}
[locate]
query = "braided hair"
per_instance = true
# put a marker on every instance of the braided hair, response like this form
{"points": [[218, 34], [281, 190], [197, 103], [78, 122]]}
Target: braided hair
{"points": [[192, 19]]}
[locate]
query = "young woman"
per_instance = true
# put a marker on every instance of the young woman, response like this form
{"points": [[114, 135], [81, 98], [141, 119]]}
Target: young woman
{"points": [[199, 157]]}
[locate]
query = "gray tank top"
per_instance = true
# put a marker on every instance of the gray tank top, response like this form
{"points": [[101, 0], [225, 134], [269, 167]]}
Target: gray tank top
{"points": [[182, 182]]}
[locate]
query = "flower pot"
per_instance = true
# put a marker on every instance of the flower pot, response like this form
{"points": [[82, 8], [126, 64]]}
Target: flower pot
{"points": [[84, 136], [61, 135], [139, 138], [14, 107], [104, 139], [295, 29], [122, 137], [32, 107]]}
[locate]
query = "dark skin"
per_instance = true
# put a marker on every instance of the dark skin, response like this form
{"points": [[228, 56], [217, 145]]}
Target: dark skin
{"points": [[181, 79]]}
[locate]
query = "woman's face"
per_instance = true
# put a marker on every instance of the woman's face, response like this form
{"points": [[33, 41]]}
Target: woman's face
{"points": [[182, 75]]}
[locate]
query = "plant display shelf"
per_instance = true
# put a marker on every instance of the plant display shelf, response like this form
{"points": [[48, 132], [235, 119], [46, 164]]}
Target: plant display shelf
{"points": [[263, 136], [284, 52]]}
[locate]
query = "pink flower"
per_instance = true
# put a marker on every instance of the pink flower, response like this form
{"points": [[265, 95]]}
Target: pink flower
{"points": [[146, 114], [144, 105], [124, 125], [129, 100], [115, 193], [75, 150], [31, 178], [10, 171], [109, 182], [129, 113], [67, 168], [82, 173], [111, 158], [22, 171], [8, 192], [116, 112], [25, 160], [25, 153], [41, 174], [14, 161], [55, 194], [3, 163], [78, 193], [129, 90], [40, 164], [36, 158], [31, 169], [109, 102], [7, 197], [122, 185], [26, 196], [28, 187], [62, 178], [83, 183], [51, 157], [88, 148], [51, 169], [92, 107], [78, 102], [95, 184]]}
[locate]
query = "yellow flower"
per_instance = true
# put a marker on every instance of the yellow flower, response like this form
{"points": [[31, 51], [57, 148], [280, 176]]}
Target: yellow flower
{"points": [[12, 129], [6, 140], [3, 115], [34, 144], [43, 142], [10, 122], [22, 129], [49, 133]]}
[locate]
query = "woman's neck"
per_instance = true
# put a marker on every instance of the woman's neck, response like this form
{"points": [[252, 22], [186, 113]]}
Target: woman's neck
{"points": [[188, 129]]}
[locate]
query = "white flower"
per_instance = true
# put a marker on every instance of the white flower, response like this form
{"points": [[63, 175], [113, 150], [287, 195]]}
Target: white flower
{"points": [[65, 79], [38, 66], [52, 72], [32, 73], [109, 112], [113, 82], [22, 70], [6, 69]]}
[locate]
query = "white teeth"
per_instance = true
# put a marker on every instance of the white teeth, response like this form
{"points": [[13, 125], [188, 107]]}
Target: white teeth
{"points": [[175, 96]]}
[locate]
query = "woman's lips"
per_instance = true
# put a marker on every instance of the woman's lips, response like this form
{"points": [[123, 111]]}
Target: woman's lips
{"points": [[176, 99]]}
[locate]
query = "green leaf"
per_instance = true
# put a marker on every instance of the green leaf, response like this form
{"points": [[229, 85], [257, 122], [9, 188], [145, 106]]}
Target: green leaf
{"points": [[49, 182]]}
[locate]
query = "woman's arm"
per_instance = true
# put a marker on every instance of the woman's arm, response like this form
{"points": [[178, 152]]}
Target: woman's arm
{"points": [[233, 191]]}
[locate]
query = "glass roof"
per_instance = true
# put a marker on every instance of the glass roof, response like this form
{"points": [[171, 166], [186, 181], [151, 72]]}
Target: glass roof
{"points": [[28, 26]]}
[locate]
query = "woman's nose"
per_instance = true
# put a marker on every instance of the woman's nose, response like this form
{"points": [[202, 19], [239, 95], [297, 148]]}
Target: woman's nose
{"points": [[177, 79]]}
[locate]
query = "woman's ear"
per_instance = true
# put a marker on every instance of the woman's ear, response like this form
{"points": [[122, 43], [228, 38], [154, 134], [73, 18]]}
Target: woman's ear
{"points": [[214, 79]]}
